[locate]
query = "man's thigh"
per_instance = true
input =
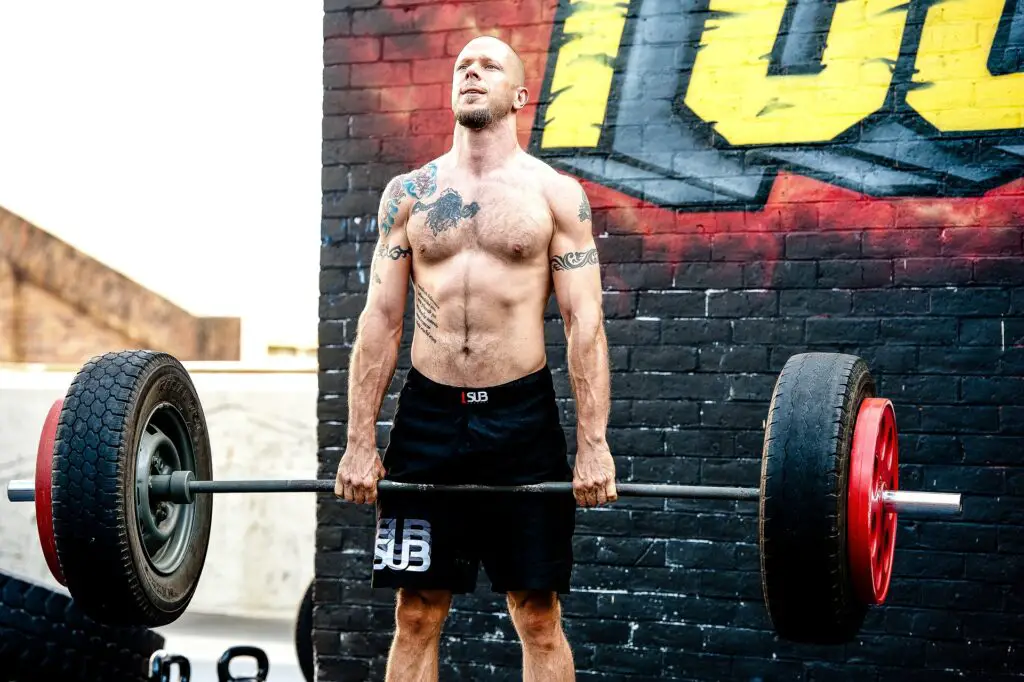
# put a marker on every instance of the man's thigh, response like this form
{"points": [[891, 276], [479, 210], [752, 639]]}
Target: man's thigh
{"points": [[526, 542], [421, 544]]}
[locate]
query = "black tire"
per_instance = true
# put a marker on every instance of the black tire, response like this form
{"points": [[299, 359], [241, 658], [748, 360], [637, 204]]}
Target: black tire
{"points": [[45, 636], [304, 634], [115, 401], [802, 511]]}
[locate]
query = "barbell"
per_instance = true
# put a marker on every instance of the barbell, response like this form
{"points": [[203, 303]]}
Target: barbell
{"points": [[124, 476]]}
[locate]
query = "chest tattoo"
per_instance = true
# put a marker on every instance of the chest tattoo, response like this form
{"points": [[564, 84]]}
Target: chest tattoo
{"points": [[446, 212]]}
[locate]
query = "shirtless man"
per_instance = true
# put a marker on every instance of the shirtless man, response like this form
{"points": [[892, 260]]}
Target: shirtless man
{"points": [[485, 232]]}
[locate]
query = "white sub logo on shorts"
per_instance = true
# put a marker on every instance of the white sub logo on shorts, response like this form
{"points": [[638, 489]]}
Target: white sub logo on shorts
{"points": [[410, 553], [469, 397]]}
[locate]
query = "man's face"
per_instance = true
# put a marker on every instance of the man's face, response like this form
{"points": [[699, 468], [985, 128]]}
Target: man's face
{"points": [[485, 83]]}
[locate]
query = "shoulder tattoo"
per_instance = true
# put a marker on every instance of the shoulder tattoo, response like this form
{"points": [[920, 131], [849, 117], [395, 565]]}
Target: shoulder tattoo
{"points": [[421, 183], [394, 194], [584, 207], [417, 184]]}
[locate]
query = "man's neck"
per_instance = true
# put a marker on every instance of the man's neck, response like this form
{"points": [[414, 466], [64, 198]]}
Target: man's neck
{"points": [[480, 151]]}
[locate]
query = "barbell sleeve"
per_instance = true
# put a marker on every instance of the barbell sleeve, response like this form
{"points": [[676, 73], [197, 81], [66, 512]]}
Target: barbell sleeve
{"points": [[21, 491], [914, 503]]}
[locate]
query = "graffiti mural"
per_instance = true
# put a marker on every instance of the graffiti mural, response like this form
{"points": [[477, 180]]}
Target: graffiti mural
{"points": [[701, 104], [767, 177]]}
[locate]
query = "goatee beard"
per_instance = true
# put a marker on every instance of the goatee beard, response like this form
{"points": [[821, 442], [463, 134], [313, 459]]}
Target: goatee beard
{"points": [[475, 119]]}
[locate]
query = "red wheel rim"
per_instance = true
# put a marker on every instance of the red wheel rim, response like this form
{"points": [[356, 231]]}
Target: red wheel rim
{"points": [[871, 525], [44, 489]]}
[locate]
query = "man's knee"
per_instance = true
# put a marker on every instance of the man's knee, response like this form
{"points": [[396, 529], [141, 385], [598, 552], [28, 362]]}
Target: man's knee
{"points": [[420, 614], [537, 617]]}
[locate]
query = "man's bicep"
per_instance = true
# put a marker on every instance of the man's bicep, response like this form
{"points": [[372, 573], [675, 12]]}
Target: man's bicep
{"points": [[392, 256], [574, 260], [389, 274]]}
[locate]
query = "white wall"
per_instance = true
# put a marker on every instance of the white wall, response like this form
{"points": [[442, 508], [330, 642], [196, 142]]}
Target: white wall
{"points": [[262, 425], [178, 143]]}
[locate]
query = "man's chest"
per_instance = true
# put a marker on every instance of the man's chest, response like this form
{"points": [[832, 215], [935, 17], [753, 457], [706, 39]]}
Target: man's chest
{"points": [[508, 221]]}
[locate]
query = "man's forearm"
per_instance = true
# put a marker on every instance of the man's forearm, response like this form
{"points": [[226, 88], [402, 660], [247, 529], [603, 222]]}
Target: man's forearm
{"points": [[587, 354], [374, 358]]}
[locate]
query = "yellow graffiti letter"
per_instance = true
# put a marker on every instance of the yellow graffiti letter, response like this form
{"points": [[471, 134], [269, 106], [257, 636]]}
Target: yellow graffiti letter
{"points": [[959, 92], [731, 87], [582, 79]]}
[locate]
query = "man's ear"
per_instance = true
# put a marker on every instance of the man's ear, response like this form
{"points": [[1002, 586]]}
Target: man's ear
{"points": [[522, 97]]}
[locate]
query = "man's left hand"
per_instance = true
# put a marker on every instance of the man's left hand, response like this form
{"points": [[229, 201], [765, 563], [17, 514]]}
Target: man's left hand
{"points": [[593, 482]]}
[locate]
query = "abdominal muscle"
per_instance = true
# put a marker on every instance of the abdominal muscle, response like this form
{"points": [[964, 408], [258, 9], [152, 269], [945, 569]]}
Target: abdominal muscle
{"points": [[479, 322]]}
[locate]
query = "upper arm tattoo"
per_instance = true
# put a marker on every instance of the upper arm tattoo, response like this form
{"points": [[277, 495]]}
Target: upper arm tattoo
{"points": [[584, 207], [395, 194], [393, 252], [574, 260]]}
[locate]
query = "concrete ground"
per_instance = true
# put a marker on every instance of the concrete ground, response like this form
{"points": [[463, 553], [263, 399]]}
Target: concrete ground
{"points": [[203, 638]]}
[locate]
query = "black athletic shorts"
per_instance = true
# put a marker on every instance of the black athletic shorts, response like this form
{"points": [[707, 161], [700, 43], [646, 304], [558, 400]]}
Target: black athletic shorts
{"points": [[503, 435]]}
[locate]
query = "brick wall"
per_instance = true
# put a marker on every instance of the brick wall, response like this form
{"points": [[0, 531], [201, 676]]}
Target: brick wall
{"points": [[59, 305], [740, 218]]}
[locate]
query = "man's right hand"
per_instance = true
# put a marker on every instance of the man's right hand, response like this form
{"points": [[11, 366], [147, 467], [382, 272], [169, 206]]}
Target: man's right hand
{"points": [[358, 473]]}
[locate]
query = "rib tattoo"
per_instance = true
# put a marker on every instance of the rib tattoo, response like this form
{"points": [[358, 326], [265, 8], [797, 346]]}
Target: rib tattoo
{"points": [[574, 260], [426, 312]]}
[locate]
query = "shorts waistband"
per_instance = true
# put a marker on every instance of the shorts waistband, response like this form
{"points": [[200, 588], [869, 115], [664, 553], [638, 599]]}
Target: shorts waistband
{"points": [[539, 383]]}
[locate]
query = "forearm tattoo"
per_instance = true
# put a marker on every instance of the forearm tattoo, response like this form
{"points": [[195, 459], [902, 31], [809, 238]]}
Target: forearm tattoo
{"points": [[393, 252], [574, 260], [426, 312], [446, 212], [584, 213]]}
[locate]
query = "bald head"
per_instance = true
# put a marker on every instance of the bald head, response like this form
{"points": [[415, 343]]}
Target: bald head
{"points": [[497, 49], [488, 84]]}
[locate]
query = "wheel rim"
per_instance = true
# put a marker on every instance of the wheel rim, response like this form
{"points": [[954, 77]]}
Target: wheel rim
{"points": [[164, 527]]}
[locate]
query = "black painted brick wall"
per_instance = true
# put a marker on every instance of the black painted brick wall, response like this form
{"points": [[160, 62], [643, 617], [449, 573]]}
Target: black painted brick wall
{"points": [[670, 589]]}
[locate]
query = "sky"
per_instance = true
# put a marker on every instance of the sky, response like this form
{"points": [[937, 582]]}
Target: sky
{"points": [[178, 143]]}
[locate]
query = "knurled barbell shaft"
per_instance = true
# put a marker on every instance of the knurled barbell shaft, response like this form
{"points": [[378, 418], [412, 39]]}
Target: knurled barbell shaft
{"points": [[624, 489], [903, 502]]}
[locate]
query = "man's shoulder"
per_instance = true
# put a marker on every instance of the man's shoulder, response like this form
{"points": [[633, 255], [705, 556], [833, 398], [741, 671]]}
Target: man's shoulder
{"points": [[412, 184], [539, 166], [554, 182]]}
